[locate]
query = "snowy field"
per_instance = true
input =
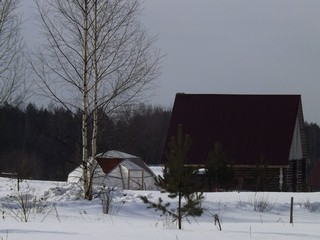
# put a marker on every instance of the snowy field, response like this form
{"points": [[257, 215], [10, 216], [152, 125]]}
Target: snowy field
{"points": [[59, 214]]}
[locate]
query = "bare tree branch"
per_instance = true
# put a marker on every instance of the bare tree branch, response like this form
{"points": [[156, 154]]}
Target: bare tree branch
{"points": [[98, 51], [12, 64]]}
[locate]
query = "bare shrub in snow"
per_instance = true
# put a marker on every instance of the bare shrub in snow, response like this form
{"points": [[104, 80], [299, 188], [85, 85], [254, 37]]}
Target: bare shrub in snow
{"points": [[261, 203], [311, 206], [167, 221], [19, 205], [218, 215], [112, 200]]}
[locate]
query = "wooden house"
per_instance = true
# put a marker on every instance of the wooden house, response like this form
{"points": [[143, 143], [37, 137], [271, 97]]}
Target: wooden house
{"points": [[247, 127]]}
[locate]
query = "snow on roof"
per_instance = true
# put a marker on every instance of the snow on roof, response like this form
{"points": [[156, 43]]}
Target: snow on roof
{"points": [[116, 154], [157, 170]]}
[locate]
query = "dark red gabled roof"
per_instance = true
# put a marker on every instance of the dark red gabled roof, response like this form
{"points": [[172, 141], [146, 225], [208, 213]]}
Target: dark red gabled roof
{"points": [[247, 126]]}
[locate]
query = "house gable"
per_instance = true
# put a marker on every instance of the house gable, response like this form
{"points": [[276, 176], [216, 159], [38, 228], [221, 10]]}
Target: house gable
{"points": [[296, 146]]}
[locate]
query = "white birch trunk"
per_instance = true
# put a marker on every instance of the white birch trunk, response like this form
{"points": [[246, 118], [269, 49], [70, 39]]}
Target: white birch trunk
{"points": [[95, 102], [85, 163]]}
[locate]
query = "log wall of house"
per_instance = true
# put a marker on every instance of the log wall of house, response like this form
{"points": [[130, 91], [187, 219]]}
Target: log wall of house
{"points": [[296, 175], [249, 179]]}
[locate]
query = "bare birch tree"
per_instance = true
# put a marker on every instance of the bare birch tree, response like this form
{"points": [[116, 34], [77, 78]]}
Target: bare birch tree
{"points": [[11, 53], [97, 51]]}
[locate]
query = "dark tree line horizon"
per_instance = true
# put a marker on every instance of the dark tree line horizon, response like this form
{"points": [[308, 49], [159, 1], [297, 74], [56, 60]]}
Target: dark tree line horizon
{"points": [[45, 143], [313, 140]]}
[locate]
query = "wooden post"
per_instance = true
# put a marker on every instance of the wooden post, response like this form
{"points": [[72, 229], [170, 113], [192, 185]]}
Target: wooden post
{"points": [[122, 179], [291, 211], [142, 183], [217, 220], [281, 179], [129, 171]]}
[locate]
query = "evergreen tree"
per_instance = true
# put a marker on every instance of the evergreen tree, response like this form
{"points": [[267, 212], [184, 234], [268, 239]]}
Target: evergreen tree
{"points": [[313, 138], [178, 180], [219, 170], [259, 173]]}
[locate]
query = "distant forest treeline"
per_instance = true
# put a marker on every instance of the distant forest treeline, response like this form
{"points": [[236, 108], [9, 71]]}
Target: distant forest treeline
{"points": [[313, 139], [46, 143]]}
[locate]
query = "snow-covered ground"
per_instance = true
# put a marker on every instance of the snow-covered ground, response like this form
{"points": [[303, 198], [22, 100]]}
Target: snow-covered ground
{"points": [[60, 214]]}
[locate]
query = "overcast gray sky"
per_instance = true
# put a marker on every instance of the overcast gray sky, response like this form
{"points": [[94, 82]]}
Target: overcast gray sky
{"points": [[237, 46]]}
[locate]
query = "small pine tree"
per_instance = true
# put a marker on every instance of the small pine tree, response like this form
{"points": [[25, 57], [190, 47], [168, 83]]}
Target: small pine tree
{"points": [[260, 173], [219, 170], [178, 180]]}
